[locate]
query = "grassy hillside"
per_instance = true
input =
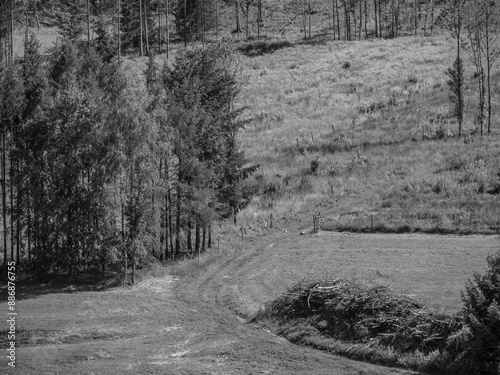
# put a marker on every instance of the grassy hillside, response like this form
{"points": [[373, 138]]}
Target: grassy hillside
{"points": [[376, 115]]}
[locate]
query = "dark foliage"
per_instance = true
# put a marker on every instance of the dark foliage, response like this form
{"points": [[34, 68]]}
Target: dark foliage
{"points": [[194, 18], [481, 350]]}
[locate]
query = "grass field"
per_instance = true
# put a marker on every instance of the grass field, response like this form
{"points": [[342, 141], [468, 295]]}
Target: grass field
{"points": [[373, 113], [188, 320]]}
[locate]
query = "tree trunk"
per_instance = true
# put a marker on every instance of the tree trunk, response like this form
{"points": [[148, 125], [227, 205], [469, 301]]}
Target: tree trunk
{"points": [[309, 13], [36, 16], [333, 19], [119, 28], [397, 18], [28, 228], [166, 27], [146, 31], [237, 9], [189, 236], [133, 265], [2, 46], [124, 249], [4, 194], [158, 7], [259, 17], [338, 19], [88, 22], [488, 66], [13, 214], [11, 200], [11, 33], [36, 239], [379, 18], [360, 19], [247, 14], [203, 22], [197, 236], [432, 17], [376, 20], [26, 29], [209, 244], [459, 91], [204, 237], [18, 214], [366, 19], [481, 88], [178, 222], [166, 228], [386, 27], [303, 10], [415, 5], [347, 22], [217, 19], [141, 48], [185, 24], [169, 211]]}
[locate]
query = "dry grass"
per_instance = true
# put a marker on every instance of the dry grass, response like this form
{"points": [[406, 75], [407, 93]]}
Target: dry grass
{"points": [[373, 112]]}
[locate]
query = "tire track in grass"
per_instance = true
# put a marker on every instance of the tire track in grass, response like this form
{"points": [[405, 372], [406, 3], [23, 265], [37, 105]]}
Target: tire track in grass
{"points": [[219, 294]]}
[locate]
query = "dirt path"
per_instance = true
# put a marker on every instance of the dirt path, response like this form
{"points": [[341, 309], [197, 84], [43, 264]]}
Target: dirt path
{"points": [[195, 321]]}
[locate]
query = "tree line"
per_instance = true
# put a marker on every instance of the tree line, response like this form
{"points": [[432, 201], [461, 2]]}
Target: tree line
{"points": [[475, 26], [103, 168], [142, 25]]}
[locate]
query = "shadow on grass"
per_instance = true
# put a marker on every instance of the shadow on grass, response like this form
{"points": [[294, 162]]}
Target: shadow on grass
{"points": [[262, 47], [317, 39], [404, 228], [334, 147], [30, 287]]}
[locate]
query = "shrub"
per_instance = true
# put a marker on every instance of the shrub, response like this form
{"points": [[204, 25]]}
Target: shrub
{"points": [[314, 165], [481, 354], [346, 65], [412, 79]]}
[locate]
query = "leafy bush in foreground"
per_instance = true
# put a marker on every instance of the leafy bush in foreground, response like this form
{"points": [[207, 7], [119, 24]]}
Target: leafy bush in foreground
{"points": [[478, 342]]}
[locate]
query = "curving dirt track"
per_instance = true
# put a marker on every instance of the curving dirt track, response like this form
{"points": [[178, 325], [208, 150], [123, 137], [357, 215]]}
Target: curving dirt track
{"points": [[195, 321]]}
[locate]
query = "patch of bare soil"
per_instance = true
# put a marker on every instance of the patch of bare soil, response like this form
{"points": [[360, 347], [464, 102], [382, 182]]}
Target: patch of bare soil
{"points": [[195, 321]]}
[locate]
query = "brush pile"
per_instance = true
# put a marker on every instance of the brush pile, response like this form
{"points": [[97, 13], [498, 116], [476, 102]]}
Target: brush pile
{"points": [[355, 313]]}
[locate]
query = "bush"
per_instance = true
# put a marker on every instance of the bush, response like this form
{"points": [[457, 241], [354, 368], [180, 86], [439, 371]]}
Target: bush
{"points": [[481, 354], [314, 165], [346, 65]]}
